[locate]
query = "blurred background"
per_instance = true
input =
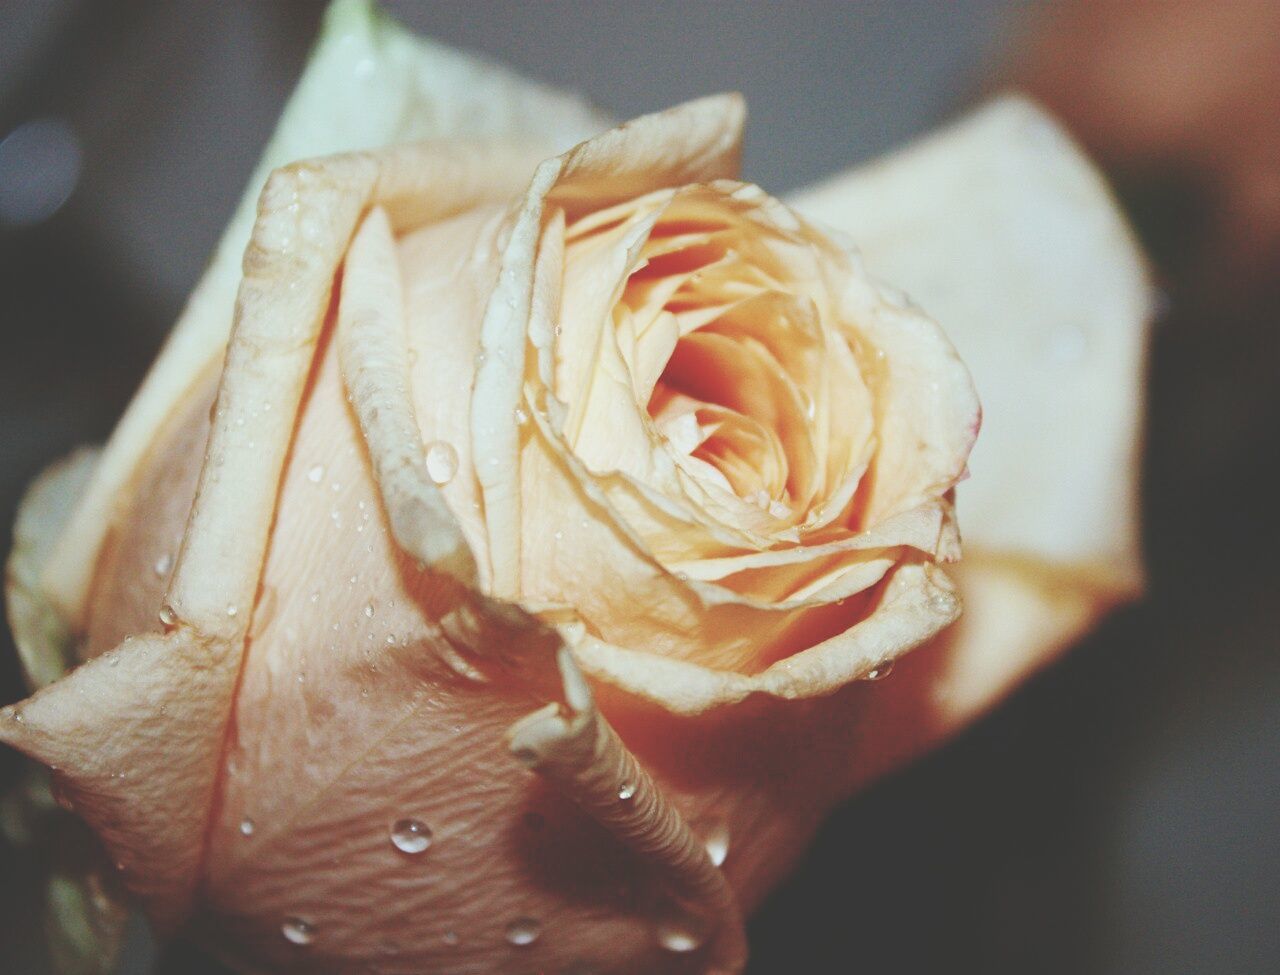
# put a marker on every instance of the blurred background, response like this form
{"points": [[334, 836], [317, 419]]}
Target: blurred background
{"points": [[1121, 814]]}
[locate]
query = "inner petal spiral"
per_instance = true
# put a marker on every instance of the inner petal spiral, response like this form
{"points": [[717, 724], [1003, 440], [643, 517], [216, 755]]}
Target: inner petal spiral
{"points": [[714, 344]]}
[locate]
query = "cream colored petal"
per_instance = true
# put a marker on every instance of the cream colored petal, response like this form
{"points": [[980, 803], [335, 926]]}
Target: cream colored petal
{"points": [[373, 346], [926, 410], [1001, 229], [39, 631], [696, 141], [917, 603], [920, 528], [449, 269], [157, 708], [368, 83], [580, 553], [134, 736], [499, 381]]}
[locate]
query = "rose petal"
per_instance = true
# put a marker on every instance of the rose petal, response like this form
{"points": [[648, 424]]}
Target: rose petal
{"points": [[368, 83], [1006, 232], [41, 635], [165, 706], [1002, 229]]}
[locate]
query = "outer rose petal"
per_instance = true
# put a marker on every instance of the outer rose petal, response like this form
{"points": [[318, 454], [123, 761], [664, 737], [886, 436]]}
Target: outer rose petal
{"points": [[41, 634], [368, 83], [163, 703], [1003, 229]]}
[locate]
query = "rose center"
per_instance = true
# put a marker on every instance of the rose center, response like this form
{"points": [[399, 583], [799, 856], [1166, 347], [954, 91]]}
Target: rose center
{"points": [[718, 353]]}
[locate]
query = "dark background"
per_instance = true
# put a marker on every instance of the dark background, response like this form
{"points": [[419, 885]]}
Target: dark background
{"points": [[1122, 813]]}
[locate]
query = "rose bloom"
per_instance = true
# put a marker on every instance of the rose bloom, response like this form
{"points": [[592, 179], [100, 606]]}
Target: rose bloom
{"points": [[501, 598]]}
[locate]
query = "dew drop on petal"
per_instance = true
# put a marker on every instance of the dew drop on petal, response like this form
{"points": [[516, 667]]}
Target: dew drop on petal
{"points": [[442, 462], [526, 757], [368, 610], [715, 838], [626, 791], [410, 835], [163, 565], [298, 931], [246, 827], [167, 615], [679, 935], [451, 938], [523, 931], [942, 601], [880, 671]]}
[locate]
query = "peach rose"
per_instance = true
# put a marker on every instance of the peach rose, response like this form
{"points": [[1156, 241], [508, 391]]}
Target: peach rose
{"points": [[500, 433]]}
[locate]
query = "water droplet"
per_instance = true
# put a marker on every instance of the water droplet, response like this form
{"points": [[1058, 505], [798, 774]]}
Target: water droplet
{"points": [[442, 462], [523, 931], [626, 791], [410, 835], [522, 417], [315, 596], [232, 610], [880, 671], [163, 565], [298, 931], [368, 610], [680, 935], [715, 837], [941, 601], [451, 937], [526, 757], [316, 474], [113, 660], [167, 615], [246, 827]]}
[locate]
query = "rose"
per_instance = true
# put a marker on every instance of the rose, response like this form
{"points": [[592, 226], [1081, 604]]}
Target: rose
{"points": [[647, 462]]}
